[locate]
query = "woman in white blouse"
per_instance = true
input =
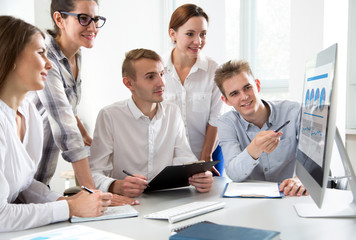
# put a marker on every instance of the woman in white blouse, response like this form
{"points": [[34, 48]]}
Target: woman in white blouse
{"points": [[190, 80], [23, 68]]}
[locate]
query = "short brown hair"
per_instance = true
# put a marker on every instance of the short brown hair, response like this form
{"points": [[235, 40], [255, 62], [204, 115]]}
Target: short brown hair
{"points": [[15, 34], [183, 13], [230, 69], [128, 69]]}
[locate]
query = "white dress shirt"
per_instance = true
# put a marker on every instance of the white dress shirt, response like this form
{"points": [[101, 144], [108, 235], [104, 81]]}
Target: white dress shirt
{"points": [[18, 164], [126, 139], [199, 99]]}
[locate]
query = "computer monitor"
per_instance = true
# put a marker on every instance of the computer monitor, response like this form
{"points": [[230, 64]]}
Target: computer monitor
{"points": [[316, 137]]}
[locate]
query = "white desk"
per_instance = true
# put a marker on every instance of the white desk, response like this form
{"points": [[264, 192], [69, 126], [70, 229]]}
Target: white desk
{"points": [[272, 214]]}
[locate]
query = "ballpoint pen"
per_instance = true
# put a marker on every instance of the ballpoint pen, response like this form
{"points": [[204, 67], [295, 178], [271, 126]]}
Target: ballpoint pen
{"points": [[131, 175], [285, 124], [87, 189]]}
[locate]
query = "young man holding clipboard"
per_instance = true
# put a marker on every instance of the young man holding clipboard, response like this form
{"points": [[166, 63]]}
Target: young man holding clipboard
{"points": [[249, 135], [140, 135]]}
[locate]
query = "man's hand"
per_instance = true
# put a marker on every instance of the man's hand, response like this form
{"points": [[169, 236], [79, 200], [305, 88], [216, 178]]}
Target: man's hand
{"points": [[292, 186], [130, 186], [202, 181], [265, 141]]}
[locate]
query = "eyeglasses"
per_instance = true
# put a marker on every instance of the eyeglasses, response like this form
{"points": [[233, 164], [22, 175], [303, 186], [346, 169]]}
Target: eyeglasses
{"points": [[85, 19]]}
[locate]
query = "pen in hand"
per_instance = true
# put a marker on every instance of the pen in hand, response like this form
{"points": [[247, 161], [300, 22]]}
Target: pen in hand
{"points": [[131, 175], [285, 124], [87, 189]]}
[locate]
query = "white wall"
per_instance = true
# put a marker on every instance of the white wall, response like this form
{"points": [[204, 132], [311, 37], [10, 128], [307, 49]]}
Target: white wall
{"points": [[23, 9], [128, 26]]}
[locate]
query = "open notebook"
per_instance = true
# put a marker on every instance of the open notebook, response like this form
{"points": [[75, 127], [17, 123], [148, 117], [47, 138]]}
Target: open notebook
{"points": [[252, 189], [111, 213]]}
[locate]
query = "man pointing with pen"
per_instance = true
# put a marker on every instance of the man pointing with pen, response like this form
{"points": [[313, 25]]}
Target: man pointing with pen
{"points": [[252, 149], [140, 135]]}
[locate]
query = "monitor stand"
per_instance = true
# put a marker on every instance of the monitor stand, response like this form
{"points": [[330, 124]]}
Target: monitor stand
{"points": [[337, 203]]}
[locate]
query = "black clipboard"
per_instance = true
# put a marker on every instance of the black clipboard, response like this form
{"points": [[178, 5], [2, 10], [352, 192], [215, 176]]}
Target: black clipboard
{"points": [[177, 176]]}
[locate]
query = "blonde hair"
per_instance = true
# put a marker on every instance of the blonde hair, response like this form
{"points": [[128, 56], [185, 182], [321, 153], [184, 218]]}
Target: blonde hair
{"points": [[230, 69]]}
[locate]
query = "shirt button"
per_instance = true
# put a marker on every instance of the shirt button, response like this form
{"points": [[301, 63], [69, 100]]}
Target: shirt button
{"points": [[254, 164], [266, 169]]}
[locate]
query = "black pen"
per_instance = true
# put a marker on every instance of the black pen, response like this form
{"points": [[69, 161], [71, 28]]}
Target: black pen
{"points": [[285, 124], [87, 189], [129, 174]]}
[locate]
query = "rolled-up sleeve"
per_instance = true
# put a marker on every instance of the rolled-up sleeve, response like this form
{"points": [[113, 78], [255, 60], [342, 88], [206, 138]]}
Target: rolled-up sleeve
{"points": [[216, 107], [62, 119], [216, 104]]}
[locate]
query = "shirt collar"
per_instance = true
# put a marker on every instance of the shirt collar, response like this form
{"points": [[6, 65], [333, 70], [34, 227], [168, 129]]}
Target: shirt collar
{"points": [[201, 63], [136, 112], [8, 112], [245, 124], [11, 114], [270, 121], [54, 48]]}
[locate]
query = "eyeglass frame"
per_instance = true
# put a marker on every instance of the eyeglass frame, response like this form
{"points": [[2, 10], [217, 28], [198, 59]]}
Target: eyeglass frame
{"points": [[90, 21]]}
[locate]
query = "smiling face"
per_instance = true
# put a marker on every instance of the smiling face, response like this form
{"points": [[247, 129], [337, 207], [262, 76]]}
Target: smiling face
{"points": [[32, 65], [72, 31], [190, 37], [241, 92]]}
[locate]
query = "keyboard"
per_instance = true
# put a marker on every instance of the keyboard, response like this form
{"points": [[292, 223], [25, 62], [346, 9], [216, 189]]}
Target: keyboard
{"points": [[186, 211]]}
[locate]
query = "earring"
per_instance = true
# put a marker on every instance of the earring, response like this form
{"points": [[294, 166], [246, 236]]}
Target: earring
{"points": [[14, 67]]}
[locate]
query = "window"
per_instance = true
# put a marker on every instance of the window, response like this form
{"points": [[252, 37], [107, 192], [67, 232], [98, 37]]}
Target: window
{"points": [[259, 32]]}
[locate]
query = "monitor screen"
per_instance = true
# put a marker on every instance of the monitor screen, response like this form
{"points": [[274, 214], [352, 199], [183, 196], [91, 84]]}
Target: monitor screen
{"points": [[317, 126], [316, 139]]}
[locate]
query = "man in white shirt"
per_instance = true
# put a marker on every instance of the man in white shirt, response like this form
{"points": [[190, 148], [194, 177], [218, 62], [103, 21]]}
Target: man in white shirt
{"points": [[140, 135]]}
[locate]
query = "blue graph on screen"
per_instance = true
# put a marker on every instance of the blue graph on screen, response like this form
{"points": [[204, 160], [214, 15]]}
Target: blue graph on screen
{"points": [[312, 130]]}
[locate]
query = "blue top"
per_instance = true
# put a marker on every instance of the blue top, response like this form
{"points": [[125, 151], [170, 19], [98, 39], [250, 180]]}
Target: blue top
{"points": [[235, 134]]}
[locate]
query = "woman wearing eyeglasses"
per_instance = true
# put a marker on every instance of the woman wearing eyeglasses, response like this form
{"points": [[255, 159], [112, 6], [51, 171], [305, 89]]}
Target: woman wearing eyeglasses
{"points": [[76, 25]]}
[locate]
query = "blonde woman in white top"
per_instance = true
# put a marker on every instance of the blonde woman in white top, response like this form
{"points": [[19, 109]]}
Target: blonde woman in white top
{"points": [[190, 80], [23, 68]]}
